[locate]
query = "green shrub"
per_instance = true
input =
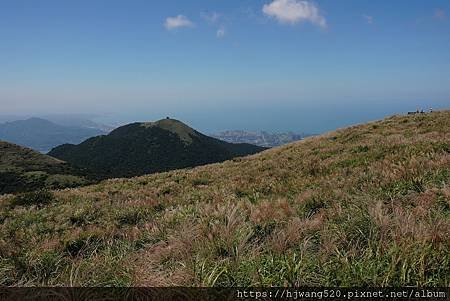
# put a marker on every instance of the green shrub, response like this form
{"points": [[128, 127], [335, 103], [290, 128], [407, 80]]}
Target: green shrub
{"points": [[159, 207], [83, 244], [312, 206], [132, 216], [361, 149], [200, 181], [63, 181], [406, 186], [261, 232], [46, 266], [84, 216], [39, 198]]}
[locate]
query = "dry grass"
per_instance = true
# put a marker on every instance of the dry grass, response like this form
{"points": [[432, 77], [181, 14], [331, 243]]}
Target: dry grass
{"points": [[366, 205]]}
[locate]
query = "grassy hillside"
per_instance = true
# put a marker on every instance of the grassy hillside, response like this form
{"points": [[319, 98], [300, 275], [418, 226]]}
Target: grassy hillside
{"points": [[143, 148], [366, 205], [22, 169]]}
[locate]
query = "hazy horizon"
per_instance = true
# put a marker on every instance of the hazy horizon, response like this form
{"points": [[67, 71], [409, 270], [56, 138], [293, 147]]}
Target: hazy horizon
{"points": [[312, 120]]}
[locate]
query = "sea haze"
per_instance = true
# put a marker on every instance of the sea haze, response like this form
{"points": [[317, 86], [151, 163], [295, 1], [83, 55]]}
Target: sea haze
{"points": [[308, 118]]}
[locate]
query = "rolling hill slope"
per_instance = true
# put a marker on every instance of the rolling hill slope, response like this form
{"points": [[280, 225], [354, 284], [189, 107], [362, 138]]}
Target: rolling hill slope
{"points": [[22, 169], [143, 148], [366, 205]]}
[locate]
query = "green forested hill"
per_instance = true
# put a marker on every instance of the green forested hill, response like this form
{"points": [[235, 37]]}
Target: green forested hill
{"points": [[142, 148]]}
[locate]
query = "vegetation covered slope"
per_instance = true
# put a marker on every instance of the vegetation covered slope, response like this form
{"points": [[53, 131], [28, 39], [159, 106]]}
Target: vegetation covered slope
{"points": [[43, 135], [22, 169], [142, 148], [366, 205]]}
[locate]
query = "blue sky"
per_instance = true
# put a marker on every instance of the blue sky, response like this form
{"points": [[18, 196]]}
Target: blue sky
{"points": [[273, 64]]}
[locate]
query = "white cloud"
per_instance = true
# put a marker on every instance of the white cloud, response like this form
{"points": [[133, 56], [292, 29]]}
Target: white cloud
{"points": [[440, 14], [221, 32], [369, 19], [294, 11], [211, 17], [177, 22]]}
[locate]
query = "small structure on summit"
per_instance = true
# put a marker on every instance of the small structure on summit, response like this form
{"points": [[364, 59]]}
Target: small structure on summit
{"points": [[419, 112]]}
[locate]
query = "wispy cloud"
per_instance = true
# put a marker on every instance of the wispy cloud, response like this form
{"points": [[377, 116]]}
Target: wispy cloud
{"points": [[211, 17], [177, 22], [440, 14], [221, 32], [369, 19], [295, 11], [216, 20]]}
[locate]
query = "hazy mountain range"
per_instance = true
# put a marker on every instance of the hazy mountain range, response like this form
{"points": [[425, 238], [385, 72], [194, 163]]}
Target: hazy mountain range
{"points": [[43, 135], [46, 132]]}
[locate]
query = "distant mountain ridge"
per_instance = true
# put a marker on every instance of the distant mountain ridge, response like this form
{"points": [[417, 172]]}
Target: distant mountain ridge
{"points": [[78, 121], [70, 120], [260, 138], [147, 147], [43, 135]]}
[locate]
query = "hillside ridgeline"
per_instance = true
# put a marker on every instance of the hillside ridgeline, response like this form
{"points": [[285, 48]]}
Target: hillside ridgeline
{"points": [[23, 169], [368, 205]]}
